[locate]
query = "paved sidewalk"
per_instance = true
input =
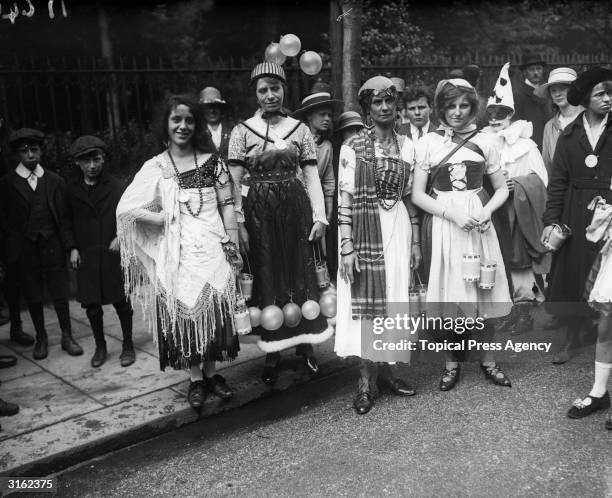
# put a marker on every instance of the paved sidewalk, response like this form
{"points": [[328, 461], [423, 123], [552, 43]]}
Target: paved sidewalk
{"points": [[70, 412]]}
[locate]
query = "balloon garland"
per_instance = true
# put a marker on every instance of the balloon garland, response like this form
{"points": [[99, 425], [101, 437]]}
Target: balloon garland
{"points": [[290, 46]]}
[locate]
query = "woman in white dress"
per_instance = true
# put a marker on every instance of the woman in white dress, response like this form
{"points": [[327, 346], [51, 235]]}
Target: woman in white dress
{"points": [[454, 160], [178, 236], [378, 241]]}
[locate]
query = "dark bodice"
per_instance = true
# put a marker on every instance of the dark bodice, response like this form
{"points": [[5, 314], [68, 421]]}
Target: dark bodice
{"points": [[466, 175], [275, 165], [209, 174]]}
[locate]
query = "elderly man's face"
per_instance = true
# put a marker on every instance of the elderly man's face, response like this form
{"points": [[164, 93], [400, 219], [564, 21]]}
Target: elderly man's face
{"points": [[534, 73]]}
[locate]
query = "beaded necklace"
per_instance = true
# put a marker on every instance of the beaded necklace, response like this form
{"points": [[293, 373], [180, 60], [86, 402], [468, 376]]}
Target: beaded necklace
{"points": [[182, 184], [387, 205]]}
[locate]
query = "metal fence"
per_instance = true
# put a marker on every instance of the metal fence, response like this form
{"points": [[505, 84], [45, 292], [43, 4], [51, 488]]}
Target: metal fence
{"points": [[67, 97]]}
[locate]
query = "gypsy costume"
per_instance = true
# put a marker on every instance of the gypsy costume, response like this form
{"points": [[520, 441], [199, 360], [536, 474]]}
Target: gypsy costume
{"points": [[278, 217], [378, 180], [598, 288], [458, 184], [179, 271]]}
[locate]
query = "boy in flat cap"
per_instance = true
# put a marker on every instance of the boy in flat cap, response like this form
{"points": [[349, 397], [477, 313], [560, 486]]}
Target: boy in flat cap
{"points": [[93, 198], [38, 234]]}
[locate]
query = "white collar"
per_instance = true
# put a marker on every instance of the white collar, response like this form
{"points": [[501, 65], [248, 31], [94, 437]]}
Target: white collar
{"points": [[24, 172], [529, 83], [414, 130], [594, 135]]}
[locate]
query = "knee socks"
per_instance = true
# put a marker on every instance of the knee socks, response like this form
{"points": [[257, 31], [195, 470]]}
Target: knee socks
{"points": [[602, 374]]}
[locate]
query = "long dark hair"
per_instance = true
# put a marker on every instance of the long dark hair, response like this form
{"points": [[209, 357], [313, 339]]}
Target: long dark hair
{"points": [[201, 139]]}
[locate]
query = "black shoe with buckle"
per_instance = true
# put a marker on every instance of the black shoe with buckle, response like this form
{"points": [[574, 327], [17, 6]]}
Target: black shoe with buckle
{"points": [[496, 375], [217, 385], [21, 338], [196, 394], [449, 379], [8, 409], [588, 405]]}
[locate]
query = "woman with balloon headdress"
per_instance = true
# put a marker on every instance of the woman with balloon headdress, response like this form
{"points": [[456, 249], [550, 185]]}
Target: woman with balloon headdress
{"points": [[379, 242], [282, 217], [453, 161]]}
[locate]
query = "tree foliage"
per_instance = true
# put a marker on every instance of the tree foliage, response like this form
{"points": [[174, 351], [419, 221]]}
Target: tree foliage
{"points": [[389, 30]]}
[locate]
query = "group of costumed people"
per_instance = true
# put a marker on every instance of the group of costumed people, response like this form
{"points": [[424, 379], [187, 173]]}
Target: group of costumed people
{"points": [[407, 208]]}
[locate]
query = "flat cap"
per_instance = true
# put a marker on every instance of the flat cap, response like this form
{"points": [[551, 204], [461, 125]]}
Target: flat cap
{"points": [[581, 88], [85, 144], [26, 134]]}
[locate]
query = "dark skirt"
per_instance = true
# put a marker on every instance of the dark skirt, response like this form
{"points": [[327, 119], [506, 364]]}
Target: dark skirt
{"points": [[278, 218], [572, 263], [224, 347]]}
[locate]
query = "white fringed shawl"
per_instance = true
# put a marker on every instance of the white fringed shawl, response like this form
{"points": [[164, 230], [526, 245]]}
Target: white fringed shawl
{"points": [[150, 257]]}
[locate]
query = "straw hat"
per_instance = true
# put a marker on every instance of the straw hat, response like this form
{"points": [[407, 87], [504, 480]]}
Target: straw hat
{"points": [[560, 75], [347, 119], [314, 100]]}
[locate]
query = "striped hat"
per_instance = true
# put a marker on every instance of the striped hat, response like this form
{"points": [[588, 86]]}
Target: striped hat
{"points": [[268, 69]]}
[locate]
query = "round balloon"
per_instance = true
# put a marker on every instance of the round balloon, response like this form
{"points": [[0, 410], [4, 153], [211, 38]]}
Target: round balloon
{"points": [[292, 314], [311, 63], [273, 54], [255, 314], [330, 290], [310, 309], [328, 305], [272, 317], [290, 45]]}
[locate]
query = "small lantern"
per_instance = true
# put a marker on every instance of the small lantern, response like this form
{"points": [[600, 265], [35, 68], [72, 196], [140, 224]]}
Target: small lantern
{"points": [[414, 301], [242, 320], [557, 237], [487, 275], [471, 267], [422, 290], [322, 273]]}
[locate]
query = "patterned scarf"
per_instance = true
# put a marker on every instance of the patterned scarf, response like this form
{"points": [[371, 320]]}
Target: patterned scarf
{"points": [[369, 287]]}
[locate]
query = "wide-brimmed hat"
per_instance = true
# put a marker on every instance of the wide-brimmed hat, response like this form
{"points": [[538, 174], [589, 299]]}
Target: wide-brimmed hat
{"points": [[320, 99], [86, 144], [347, 119], [560, 75], [532, 59], [26, 135], [270, 69], [211, 96], [399, 83], [580, 89]]}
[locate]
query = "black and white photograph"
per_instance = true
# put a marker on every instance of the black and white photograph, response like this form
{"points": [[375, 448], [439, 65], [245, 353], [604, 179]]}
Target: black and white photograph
{"points": [[305, 248]]}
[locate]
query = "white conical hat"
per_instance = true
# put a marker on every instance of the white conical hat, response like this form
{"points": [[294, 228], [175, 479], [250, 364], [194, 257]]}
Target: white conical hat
{"points": [[502, 93]]}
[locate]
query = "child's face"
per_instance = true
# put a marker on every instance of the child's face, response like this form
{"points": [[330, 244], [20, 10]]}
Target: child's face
{"points": [[91, 164], [29, 154], [320, 119]]}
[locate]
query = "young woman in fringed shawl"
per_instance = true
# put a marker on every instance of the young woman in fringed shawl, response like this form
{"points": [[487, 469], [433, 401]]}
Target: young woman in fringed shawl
{"points": [[378, 240], [455, 158], [178, 237], [282, 216]]}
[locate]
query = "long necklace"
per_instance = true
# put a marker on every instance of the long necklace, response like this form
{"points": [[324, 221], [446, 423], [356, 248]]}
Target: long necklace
{"points": [[387, 205], [183, 187]]}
